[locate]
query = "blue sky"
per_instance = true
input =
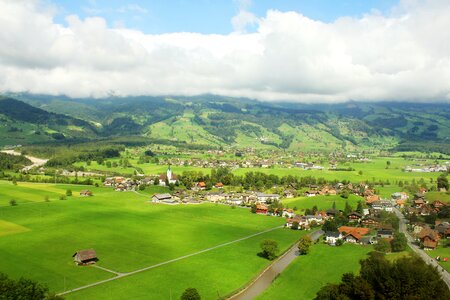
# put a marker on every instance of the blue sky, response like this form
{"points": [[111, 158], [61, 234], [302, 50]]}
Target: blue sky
{"points": [[206, 16]]}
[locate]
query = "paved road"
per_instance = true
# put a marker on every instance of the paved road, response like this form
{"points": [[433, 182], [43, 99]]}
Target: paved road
{"points": [[265, 279], [420, 252], [121, 275]]}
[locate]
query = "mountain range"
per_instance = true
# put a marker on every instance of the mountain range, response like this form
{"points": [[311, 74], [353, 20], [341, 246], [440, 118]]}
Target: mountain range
{"points": [[218, 121]]}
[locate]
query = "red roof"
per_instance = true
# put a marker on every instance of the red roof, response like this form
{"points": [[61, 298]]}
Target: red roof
{"points": [[219, 184], [201, 184], [354, 230]]}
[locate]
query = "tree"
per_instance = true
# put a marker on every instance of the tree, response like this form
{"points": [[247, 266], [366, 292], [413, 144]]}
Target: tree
{"points": [[269, 249], [190, 294], [399, 242], [379, 279], [348, 208], [345, 194], [13, 202], [304, 244], [253, 209], [68, 192], [360, 172], [334, 204], [22, 289], [442, 182], [156, 182], [360, 208], [294, 225], [383, 245], [62, 197]]}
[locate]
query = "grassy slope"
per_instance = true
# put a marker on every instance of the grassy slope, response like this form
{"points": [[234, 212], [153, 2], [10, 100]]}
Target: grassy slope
{"points": [[322, 202], [307, 274], [129, 233]]}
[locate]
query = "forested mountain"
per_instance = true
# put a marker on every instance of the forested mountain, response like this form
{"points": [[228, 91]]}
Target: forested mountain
{"points": [[223, 121]]}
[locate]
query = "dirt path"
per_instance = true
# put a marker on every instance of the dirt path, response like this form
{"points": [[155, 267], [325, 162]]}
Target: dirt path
{"points": [[426, 258], [265, 279], [121, 275], [37, 162]]}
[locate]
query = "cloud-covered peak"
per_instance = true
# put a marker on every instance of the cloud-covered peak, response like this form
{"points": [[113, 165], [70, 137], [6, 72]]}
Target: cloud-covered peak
{"points": [[401, 56]]}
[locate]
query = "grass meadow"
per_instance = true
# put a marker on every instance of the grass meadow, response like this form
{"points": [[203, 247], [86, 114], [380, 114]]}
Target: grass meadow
{"points": [[322, 202], [38, 239], [304, 277]]}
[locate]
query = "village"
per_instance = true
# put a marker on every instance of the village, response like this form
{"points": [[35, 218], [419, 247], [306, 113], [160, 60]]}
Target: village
{"points": [[368, 223]]}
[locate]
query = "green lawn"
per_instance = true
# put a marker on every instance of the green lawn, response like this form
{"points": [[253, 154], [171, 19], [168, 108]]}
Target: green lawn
{"points": [[322, 202], [129, 233], [307, 274], [442, 252]]}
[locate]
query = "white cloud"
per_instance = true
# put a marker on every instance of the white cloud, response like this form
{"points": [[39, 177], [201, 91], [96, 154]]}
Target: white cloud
{"points": [[402, 56]]}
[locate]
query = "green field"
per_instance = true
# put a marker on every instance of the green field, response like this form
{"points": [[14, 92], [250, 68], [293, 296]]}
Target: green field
{"points": [[130, 233], [307, 274], [322, 202], [442, 252]]}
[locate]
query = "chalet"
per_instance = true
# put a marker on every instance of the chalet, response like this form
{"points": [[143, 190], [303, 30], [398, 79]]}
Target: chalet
{"points": [[201, 185], [332, 237], [372, 198], [311, 193], [86, 193], [400, 203], [443, 229], [85, 257], [263, 198], [219, 185], [261, 209], [352, 237], [314, 218], [288, 194], [354, 216], [429, 238], [419, 203], [167, 177], [439, 204], [385, 234]]}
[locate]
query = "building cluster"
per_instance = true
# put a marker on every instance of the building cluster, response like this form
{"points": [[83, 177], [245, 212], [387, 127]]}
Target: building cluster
{"points": [[430, 168]]}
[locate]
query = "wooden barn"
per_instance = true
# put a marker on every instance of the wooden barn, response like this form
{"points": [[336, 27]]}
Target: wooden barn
{"points": [[85, 257]]}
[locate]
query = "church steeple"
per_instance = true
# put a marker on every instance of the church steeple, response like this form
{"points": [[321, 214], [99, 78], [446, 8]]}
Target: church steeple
{"points": [[169, 174]]}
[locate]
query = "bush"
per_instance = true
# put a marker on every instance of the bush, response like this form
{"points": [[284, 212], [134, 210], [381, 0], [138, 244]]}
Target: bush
{"points": [[62, 197], [190, 294], [304, 244], [13, 202], [269, 249]]}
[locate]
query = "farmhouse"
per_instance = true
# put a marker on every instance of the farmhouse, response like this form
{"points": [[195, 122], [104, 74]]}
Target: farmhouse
{"points": [[85, 257], [429, 238], [385, 234], [261, 209], [219, 185], [354, 216]]}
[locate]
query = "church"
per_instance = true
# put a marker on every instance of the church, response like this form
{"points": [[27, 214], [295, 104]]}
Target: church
{"points": [[169, 176]]}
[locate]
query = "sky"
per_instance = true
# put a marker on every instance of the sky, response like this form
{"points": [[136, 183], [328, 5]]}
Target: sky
{"points": [[286, 50]]}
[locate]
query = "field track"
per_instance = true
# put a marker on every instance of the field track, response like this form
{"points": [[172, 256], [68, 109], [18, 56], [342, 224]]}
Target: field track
{"points": [[121, 275]]}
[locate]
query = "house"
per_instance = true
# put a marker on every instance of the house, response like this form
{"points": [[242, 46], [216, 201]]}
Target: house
{"points": [[443, 229], [354, 216], [429, 238], [86, 193], [352, 237], [234, 201], [385, 234], [400, 196], [311, 193], [85, 257], [288, 194], [400, 203], [219, 185], [332, 212], [263, 198], [288, 213], [439, 204], [201, 185], [359, 230], [419, 203], [167, 177], [370, 222], [261, 209], [385, 205], [332, 237], [372, 198]]}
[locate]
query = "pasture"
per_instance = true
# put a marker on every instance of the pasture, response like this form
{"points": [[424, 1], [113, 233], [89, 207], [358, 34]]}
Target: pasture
{"points": [[322, 202], [304, 277], [130, 233]]}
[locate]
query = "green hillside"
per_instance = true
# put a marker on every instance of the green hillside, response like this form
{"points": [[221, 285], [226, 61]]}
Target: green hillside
{"points": [[217, 121]]}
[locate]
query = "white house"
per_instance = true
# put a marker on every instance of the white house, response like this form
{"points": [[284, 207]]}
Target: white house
{"points": [[332, 237], [263, 198]]}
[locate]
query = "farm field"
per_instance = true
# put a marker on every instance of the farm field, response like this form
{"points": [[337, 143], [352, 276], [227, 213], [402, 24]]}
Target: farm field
{"points": [[443, 253], [307, 274], [130, 233]]}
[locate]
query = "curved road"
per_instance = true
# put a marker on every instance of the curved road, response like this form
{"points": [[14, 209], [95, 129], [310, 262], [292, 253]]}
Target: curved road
{"points": [[426, 258], [265, 279]]}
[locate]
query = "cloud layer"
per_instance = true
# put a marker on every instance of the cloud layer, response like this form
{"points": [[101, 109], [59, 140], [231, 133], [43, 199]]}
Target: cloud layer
{"points": [[404, 56]]}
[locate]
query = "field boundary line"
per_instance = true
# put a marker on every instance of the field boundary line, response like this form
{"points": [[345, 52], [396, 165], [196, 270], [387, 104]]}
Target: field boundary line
{"points": [[121, 275]]}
